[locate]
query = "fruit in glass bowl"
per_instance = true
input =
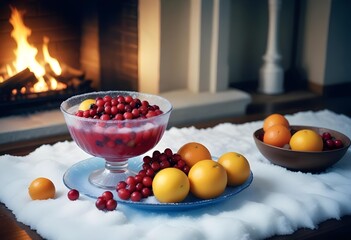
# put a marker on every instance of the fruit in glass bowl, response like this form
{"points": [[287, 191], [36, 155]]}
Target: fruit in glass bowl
{"points": [[305, 161], [104, 133]]}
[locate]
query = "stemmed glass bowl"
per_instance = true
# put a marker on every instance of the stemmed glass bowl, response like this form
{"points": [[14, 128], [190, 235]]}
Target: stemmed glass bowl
{"points": [[115, 141]]}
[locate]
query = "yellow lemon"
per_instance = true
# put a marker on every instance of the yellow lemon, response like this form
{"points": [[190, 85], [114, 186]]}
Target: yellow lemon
{"points": [[237, 167], [170, 185], [208, 179], [306, 140], [85, 105]]}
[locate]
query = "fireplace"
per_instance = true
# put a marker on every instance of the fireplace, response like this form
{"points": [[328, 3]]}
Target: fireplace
{"points": [[176, 49], [94, 43]]}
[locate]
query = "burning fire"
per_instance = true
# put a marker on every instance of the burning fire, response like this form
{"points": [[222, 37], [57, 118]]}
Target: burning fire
{"points": [[26, 58]]}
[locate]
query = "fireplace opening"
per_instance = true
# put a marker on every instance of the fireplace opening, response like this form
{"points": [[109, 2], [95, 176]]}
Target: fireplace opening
{"points": [[51, 50]]}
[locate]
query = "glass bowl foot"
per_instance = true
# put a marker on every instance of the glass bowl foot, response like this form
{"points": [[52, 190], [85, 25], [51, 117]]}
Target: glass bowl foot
{"points": [[114, 172], [107, 179]]}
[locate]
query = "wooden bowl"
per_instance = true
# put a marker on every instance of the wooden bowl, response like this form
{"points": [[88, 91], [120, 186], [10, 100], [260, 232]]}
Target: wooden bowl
{"points": [[302, 160]]}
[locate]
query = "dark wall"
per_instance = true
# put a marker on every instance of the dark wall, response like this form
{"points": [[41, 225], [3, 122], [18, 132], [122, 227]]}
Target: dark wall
{"points": [[118, 33]]}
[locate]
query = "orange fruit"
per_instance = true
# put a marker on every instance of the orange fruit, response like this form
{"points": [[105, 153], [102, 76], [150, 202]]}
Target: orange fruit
{"points": [[237, 167], [41, 189], [85, 105], [275, 119], [192, 152], [306, 140], [278, 136], [170, 185], [208, 179]]}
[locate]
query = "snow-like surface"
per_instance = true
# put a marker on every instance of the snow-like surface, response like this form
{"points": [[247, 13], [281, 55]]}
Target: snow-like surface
{"points": [[277, 202]]}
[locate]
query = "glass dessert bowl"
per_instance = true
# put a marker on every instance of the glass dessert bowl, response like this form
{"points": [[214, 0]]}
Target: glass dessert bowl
{"points": [[115, 140]]}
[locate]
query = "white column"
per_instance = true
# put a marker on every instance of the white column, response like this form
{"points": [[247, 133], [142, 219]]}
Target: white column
{"points": [[271, 73], [219, 66], [149, 21], [193, 81]]}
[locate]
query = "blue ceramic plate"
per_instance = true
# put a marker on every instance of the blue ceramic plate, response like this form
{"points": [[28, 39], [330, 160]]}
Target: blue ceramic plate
{"points": [[76, 177]]}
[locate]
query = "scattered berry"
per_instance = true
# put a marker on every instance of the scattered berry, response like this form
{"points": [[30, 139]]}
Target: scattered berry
{"points": [[106, 201], [111, 204], [100, 203], [73, 194], [107, 195]]}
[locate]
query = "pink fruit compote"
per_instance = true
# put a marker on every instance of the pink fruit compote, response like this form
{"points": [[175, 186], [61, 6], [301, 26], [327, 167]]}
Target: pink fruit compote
{"points": [[108, 131]]}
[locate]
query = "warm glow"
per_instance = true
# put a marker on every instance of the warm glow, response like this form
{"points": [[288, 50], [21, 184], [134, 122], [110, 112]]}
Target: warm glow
{"points": [[26, 57], [54, 64], [25, 53], [40, 86]]}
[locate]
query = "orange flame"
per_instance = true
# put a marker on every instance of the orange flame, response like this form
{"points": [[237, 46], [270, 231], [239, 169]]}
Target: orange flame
{"points": [[26, 56]]}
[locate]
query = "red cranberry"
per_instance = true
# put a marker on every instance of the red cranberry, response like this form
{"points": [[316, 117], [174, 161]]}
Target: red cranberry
{"points": [[107, 195], [107, 104], [105, 117], [79, 113], [330, 143], [128, 115], [119, 116], [130, 180], [100, 203], [131, 187], [107, 110], [135, 196], [338, 143], [145, 103], [138, 178], [150, 172], [114, 102], [146, 192], [111, 205], [326, 136], [151, 114], [121, 184], [142, 173], [123, 194], [163, 157], [73, 194], [155, 166], [100, 109], [165, 164], [128, 99], [186, 169], [120, 107], [135, 113], [92, 112], [100, 102], [139, 187], [114, 110], [168, 152], [86, 113], [107, 98], [147, 181], [147, 159], [181, 163], [121, 99]]}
